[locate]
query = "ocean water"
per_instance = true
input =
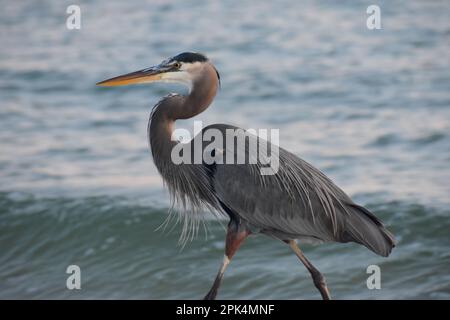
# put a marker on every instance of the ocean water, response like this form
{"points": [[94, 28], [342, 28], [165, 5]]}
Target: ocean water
{"points": [[370, 108]]}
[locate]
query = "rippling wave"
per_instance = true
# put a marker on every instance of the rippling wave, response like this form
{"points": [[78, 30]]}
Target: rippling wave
{"points": [[122, 255]]}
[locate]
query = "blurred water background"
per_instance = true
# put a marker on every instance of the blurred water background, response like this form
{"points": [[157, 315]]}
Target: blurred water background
{"points": [[77, 184]]}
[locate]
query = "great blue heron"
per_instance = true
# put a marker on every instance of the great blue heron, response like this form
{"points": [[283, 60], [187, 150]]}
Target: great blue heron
{"points": [[296, 203]]}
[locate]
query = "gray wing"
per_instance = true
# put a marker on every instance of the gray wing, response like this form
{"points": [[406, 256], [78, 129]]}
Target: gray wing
{"points": [[297, 202]]}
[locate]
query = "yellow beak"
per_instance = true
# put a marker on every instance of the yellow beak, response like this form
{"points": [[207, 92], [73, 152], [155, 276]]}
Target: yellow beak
{"points": [[142, 76]]}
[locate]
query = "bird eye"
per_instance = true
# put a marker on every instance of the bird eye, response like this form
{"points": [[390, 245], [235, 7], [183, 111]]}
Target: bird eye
{"points": [[177, 65]]}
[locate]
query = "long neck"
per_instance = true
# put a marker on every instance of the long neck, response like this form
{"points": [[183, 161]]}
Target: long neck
{"points": [[174, 107]]}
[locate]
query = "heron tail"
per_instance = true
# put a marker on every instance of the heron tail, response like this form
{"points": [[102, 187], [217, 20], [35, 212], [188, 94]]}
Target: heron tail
{"points": [[366, 229]]}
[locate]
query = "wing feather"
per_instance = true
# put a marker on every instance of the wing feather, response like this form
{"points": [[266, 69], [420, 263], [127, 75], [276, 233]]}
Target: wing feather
{"points": [[296, 202]]}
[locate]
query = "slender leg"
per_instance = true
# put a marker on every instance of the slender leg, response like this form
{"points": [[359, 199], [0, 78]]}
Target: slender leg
{"points": [[235, 236], [318, 278], [211, 295]]}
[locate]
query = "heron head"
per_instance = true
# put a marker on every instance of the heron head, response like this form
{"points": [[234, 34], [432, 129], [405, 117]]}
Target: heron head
{"points": [[183, 68]]}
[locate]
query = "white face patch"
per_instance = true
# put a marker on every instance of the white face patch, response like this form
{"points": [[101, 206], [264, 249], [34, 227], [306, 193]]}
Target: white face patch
{"points": [[185, 75], [181, 77], [191, 67]]}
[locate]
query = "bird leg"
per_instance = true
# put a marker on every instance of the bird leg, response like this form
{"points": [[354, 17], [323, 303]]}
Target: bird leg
{"points": [[236, 234], [318, 278]]}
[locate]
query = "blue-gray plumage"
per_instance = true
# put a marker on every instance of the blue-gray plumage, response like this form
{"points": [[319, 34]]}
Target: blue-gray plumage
{"points": [[295, 203]]}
